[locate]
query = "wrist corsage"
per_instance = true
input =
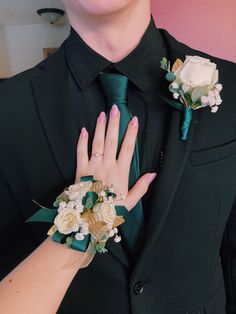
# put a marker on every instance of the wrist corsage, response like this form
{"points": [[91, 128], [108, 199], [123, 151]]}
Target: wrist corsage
{"points": [[194, 84], [84, 216]]}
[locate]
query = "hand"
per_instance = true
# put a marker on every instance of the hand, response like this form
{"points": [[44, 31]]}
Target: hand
{"points": [[106, 167]]}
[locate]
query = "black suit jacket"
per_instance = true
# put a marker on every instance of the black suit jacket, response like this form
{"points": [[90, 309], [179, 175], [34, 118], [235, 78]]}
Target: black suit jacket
{"points": [[192, 220]]}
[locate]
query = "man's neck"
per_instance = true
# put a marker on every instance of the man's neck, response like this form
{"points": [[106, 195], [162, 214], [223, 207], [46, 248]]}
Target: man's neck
{"points": [[114, 37]]}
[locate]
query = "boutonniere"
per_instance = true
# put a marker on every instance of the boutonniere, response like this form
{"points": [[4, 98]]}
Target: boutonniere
{"points": [[194, 85]]}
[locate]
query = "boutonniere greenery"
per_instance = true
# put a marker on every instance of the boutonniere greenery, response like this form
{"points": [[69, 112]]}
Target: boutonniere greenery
{"points": [[194, 85]]}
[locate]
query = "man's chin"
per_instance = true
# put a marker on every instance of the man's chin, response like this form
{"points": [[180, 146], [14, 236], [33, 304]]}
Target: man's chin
{"points": [[97, 7]]}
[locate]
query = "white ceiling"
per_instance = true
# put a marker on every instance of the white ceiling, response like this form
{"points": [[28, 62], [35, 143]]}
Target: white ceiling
{"points": [[18, 12]]}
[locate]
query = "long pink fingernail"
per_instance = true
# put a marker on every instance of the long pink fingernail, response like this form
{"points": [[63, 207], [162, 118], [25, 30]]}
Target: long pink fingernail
{"points": [[134, 122], [102, 117], [150, 177], [83, 133], [114, 111]]}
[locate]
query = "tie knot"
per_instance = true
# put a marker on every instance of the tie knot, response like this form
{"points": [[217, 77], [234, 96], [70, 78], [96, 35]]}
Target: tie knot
{"points": [[114, 86]]}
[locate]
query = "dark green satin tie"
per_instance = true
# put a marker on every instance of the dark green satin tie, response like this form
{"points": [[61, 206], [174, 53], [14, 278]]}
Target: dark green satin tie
{"points": [[114, 86]]}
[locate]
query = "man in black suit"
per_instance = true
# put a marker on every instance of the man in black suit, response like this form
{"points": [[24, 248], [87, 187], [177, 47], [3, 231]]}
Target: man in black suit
{"points": [[187, 261]]}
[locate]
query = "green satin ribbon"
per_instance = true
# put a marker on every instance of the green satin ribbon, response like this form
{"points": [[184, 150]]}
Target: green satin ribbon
{"points": [[187, 115], [187, 118], [81, 245], [44, 215], [121, 211], [49, 214], [89, 199]]}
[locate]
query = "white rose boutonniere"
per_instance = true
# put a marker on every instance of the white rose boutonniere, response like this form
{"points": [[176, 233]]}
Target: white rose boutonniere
{"points": [[194, 83]]}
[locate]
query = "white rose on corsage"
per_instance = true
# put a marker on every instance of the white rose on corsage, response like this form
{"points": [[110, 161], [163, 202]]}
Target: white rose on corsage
{"points": [[78, 191], [67, 221], [105, 212], [194, 83]]}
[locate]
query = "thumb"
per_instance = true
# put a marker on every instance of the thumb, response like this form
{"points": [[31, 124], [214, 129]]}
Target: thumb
{"points": [[139, 189]]}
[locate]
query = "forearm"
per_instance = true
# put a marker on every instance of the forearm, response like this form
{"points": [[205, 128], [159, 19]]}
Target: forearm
{"points": [[40, 282]]}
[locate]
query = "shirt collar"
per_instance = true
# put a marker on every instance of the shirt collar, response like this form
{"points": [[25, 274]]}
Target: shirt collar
{"points": [[141, 66]]}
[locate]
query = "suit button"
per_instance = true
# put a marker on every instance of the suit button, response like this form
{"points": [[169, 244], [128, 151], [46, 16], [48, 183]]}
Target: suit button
{"points": [[138, 288]]}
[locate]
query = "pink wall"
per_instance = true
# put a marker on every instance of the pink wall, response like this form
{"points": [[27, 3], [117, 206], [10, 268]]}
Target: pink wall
{"points": [[206, 25]]}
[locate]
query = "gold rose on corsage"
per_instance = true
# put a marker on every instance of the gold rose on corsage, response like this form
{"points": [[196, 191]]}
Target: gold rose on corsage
{"points": [[84, 216], [194, 85]]}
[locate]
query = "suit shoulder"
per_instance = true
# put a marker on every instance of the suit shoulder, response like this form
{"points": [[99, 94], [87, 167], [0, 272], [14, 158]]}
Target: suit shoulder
{"points": [[18, 87], [182, 48]]}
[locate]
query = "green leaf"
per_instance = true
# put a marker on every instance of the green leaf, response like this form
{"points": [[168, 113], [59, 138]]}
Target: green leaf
{"points": [[100, 247], [198, 92], [89, 203], [63, 197], [173, 90], [196, 105], [164, 62], [170, 76], [188, 99], [69, 241], [168, 67]]}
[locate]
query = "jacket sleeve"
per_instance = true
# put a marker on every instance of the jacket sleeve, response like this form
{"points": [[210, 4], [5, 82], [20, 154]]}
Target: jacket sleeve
{"points": [[15, 239], [228, 259]]}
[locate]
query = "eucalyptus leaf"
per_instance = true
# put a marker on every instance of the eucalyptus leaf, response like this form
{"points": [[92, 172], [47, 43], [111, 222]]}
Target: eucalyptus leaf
{"points": [[170, 76], [188, 99], [198, 92], [63, 197], [89, 203], [164, 63], [173, 90], [68, 241], [168, 67], [196, 105], [100, 247]]}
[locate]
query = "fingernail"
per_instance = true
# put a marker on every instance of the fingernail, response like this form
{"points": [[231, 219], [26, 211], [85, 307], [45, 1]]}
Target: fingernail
{"points": [[83, 132], [114, 111], [134, 122], [102, 117], [150, 177]]}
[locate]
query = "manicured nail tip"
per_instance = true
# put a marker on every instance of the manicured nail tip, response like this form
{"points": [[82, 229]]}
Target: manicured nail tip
{"points": [[114, 111], [134, 122], [102, 117], [83, 132], [150, 177]]}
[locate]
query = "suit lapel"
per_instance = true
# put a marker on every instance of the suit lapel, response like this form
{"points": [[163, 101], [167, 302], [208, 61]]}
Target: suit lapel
{"points": [[54, 107], [175, 158], [52, 91], [176, 155]]}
